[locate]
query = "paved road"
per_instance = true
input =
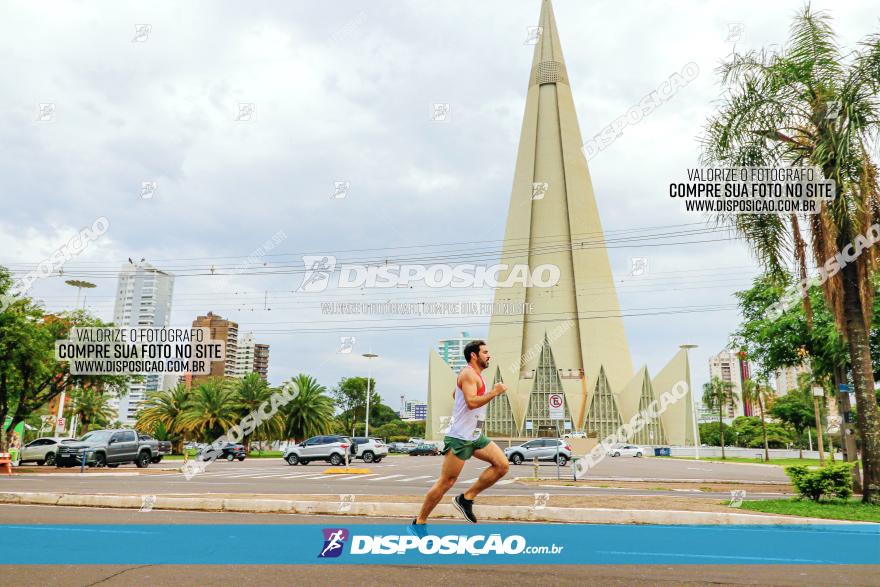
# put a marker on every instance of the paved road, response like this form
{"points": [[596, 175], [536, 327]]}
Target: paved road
{"points": [[486, 576], [393, 476]]}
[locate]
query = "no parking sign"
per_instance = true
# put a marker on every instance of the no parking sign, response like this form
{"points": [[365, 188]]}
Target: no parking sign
{"points": [[556, 403]]}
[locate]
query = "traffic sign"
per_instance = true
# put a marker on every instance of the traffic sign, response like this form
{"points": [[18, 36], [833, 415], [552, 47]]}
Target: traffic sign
{"points": [[845, 388], [556, 402]]}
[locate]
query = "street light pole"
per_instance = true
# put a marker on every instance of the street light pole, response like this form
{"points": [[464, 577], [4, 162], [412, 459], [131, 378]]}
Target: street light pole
{"points": [[79, 284], [818, 392], [369, 377]]}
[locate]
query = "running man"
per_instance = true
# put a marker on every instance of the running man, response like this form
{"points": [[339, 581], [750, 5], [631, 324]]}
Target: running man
{"points": [[466, 438]]}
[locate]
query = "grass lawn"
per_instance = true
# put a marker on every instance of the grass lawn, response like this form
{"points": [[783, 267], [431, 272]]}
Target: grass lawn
{"points": [[829, 510], [780, 462]]}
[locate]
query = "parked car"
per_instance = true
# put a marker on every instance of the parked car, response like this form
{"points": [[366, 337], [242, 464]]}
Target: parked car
{"points": [[43, 450], [626, 450], [545, 449], [574, 435], [229, 452], [160, 448], [109, 448], [330, 448], [405, 447], [370, 450], [424, 449]]}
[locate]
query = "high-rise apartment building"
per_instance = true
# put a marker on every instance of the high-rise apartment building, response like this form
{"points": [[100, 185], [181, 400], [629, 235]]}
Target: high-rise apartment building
{"points": [[225, 330], [451, 350], [143, 299], [251, 357], [733, 368]]}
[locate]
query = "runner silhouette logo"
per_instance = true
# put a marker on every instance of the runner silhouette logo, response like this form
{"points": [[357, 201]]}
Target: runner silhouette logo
{"points": [[334, 541]]}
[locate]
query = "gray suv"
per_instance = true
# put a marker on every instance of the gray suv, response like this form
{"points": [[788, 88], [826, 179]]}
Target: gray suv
{"points": [[109, 448], [545, 449], [331, 448]]}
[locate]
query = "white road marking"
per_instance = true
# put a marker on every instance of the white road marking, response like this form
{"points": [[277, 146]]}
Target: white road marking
{"points": [[382, 478], [342, 477], [407, 480]]}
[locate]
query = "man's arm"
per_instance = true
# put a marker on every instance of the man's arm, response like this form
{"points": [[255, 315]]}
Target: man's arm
{"points": [[470, 383]]}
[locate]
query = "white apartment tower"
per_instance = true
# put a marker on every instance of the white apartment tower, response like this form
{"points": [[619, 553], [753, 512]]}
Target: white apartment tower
{"points": [[143, 299], [728, 366]]}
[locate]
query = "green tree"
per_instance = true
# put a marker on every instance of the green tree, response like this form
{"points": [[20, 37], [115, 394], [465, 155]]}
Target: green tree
{"points": [[718, 395], [796, 411], [811, 105], [351, 399], [91, 407], [251, 392], [758, 393], [29, 374], [310, 413], [166, 409], [212, 410]]}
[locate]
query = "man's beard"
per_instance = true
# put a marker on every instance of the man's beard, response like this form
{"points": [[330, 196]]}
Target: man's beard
{"points": [[483, 364]]}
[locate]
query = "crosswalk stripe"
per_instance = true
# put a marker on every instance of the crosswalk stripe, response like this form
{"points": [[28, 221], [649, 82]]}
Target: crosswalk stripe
{"points": [[505, 481], [469, 480], [415, 478], [341, 477], [386, 477]]}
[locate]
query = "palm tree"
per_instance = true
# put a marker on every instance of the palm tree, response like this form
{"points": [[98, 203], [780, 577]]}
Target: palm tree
{"points": [[759, 392], [310, 412], [213, 409], [252, 391], [812, 106], [166, 409], [718, 394], [92, 407]]}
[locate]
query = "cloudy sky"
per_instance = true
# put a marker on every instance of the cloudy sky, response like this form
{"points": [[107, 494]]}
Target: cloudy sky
{"points": [[343, 92]]}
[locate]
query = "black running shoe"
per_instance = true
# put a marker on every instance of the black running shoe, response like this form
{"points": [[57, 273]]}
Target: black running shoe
{"points": [[466, 507], [417, 530]]}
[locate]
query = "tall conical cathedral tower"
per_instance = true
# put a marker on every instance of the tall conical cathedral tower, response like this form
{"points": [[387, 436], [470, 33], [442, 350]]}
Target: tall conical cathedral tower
{"points": [[573, 340]]}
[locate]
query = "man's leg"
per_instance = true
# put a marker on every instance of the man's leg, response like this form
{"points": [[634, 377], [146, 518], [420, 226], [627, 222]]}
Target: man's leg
{"points": [[449, 472], [493, 455]]}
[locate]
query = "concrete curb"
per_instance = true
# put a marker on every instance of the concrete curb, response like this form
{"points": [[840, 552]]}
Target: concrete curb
{"points": [[409, 510], [662, 480]]}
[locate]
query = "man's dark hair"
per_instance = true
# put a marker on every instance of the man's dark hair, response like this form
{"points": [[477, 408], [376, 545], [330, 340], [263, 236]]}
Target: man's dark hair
{"points": [[473, 347]]}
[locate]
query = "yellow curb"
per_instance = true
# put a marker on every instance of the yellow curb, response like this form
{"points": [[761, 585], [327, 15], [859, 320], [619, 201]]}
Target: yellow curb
{"points": [[347, 471]]}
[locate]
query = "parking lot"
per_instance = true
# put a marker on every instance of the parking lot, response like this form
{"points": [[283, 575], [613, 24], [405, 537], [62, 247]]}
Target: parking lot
{"points": [[395, 475]]}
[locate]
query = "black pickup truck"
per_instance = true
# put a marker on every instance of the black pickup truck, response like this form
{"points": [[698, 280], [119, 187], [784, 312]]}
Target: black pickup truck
{"points": [[159, 448]]}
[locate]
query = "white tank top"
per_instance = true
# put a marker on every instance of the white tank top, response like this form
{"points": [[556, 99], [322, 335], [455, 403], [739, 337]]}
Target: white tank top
{"points": [[467, 424]]}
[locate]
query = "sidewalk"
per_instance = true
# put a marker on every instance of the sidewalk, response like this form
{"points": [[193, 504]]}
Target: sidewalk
{"points": [[559, 509]]}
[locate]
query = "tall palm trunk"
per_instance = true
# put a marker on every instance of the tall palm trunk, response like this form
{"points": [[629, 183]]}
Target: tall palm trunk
{"points": [[764, 431], [721, 426], [863, 380]]}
